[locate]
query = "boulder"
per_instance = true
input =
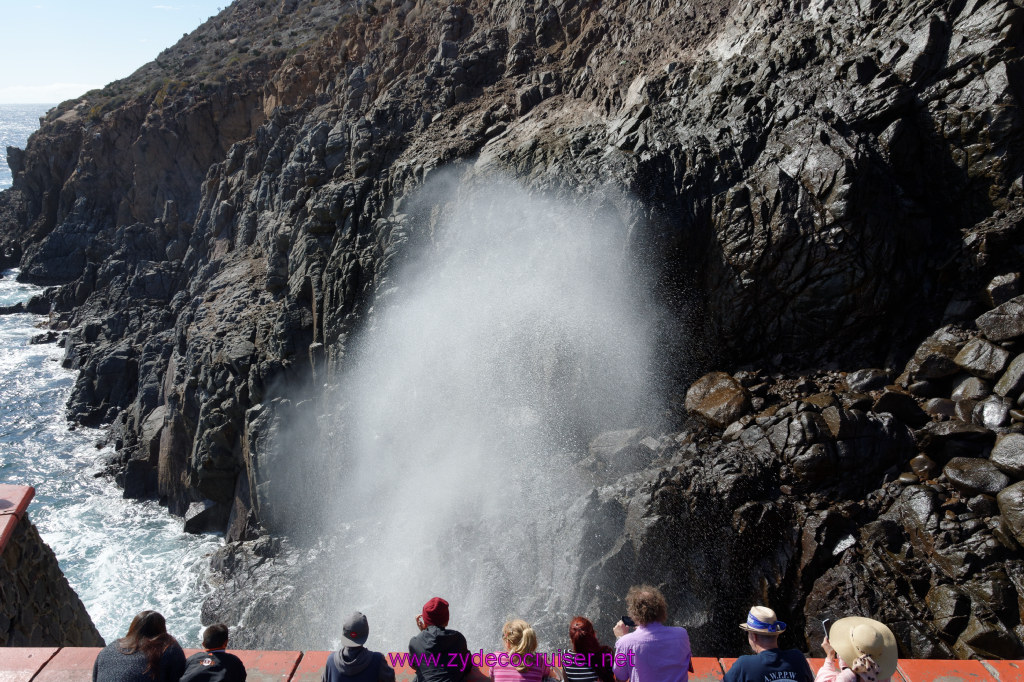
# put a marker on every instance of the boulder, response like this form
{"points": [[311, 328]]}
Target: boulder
{"points": [[983, 505], [606, 444], [621, 452], [718, 399], [992, 412], [1008, 455], [965, 409], [971, 388], [925, 388], [1003, 322], [940, 407], [1011, 507], [902, 406], [988, 638], [841, 423], [1003, 287], [1011, 383], [856, 401], [864, 380], [934, 358], [821, 400], [983, 359], [925, 467], [207, 517], [950, 609], [943, 441], [975, 476]]}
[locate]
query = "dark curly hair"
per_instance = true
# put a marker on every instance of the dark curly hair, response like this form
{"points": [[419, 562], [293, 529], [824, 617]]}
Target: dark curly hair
{"points": [[646, 604]]}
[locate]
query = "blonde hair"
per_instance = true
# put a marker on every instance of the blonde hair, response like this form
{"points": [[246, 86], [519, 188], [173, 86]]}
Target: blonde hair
{"points": [[520, 638]]}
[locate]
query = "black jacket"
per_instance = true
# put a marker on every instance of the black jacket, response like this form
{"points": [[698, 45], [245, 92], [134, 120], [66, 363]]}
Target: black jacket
{"points": [[442, 643], [357, 664], [214, 666]]}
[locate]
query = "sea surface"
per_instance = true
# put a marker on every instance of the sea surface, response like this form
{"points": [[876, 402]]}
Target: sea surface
{"points": [[121, 556]]}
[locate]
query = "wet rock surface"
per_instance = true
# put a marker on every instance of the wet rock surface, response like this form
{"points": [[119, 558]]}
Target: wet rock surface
{"points": [[813, 188]]}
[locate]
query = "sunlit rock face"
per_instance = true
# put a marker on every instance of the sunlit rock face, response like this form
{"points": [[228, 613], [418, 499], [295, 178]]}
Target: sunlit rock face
{"points": [[253, 237]]}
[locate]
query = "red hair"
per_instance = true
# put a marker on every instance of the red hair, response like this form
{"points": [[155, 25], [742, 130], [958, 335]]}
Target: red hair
{"points": [[583, 637]]}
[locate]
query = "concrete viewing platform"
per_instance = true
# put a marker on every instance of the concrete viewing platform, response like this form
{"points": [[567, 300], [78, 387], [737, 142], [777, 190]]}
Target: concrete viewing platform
{"points": [[74, 664], [14, 501]]}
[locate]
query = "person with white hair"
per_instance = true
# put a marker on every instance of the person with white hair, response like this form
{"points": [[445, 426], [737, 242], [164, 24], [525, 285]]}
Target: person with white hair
{"points": [[858, 650], [768, 663]]}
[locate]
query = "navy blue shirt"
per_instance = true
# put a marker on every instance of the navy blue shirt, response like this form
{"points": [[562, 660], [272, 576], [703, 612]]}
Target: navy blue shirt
{"points": [[770, 666]]}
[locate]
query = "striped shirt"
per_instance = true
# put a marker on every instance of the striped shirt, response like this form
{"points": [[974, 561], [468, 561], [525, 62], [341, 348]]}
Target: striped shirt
{"points": [[580, 673]]}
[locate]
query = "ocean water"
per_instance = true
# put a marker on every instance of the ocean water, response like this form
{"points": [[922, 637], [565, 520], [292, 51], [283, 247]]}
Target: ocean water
{"points": [[17, 122], [121, 556]]}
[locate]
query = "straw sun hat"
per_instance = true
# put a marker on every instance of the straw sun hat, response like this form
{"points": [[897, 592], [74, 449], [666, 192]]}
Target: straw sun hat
{"points": [[855, 636], [763, 620]]}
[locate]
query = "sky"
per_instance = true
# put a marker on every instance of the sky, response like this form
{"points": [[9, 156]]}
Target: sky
{"points": [[53, 50]]}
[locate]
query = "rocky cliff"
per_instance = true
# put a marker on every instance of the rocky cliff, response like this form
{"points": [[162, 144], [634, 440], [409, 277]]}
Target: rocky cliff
{"points": [[812, 186], [38, 607]]}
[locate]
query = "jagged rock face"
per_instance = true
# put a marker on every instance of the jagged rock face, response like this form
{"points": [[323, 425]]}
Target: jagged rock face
{"points": [[816, 182]]}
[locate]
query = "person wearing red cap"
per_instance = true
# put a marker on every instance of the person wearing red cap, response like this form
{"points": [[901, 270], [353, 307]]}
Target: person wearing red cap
{"points": [[436, 640]]}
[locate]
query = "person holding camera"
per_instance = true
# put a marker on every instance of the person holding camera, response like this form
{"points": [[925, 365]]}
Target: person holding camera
{"points": [[858, 650], [653, 652], [437, 640]]}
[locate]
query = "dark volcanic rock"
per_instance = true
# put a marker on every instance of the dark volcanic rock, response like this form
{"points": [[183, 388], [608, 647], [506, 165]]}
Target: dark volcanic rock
{"points": [[1004, 322], [946, 440], [971, 388], [620, 452], [975, 476], [1011, 383], [965, 410], [717, 398], [983, 359], [935, 357], [1003, 287], [992, 412], [925, 467], [950, 609], [1008, 455], [940, 407], [1011, 507], [206, 517], [902, 406], [865, 380]]}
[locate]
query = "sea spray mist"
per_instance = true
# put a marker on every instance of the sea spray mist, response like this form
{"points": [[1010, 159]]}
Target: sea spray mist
{"points": [[514, 329]]}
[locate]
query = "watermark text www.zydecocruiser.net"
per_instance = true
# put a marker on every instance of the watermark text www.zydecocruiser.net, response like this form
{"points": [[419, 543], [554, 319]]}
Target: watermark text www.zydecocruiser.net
{"points": [[557, 659]]}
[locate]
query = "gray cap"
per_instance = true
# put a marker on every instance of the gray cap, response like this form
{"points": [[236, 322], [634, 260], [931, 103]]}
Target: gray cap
{"points": [[355, 630]]}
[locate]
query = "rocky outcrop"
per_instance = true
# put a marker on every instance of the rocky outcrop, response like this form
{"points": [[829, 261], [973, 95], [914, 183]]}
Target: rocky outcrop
{"points": [[836, 502], [37, 605], [933, 549], [810, 185]]}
